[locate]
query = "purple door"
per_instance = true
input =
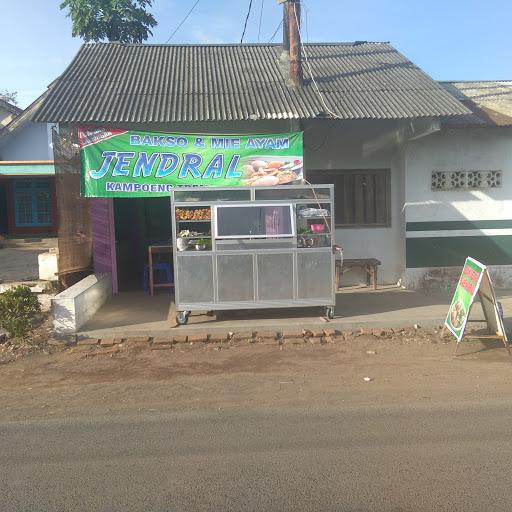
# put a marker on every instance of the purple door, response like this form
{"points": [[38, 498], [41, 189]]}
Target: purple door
{"points": [[103, 238]]}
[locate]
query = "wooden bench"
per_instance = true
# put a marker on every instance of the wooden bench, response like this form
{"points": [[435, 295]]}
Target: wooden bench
{"points": [[369, 265]]}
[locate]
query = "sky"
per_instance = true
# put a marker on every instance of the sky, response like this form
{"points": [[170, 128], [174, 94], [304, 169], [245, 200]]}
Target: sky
{"points": [[448, 39]]}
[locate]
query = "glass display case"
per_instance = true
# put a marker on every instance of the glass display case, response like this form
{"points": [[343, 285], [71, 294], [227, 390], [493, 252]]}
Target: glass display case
{"points": [[250, 248]]}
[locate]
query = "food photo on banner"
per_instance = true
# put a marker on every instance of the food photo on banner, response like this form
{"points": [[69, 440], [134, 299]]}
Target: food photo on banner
{"points": [[122, 163]]}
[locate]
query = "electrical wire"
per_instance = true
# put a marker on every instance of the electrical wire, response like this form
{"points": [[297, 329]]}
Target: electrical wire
{"points": [[261, 19], [246, 20], [277, 30], [183, 21], [315, 85]]}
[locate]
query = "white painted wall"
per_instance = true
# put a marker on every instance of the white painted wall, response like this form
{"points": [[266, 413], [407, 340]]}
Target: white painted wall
{"points": [[466, 148], [30, 142], [73, 307], [458, 149], [363, 145]]}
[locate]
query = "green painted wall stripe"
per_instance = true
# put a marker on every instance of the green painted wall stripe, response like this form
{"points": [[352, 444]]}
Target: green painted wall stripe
{"points": [[13, 170], [459, 224], [452, 251]]}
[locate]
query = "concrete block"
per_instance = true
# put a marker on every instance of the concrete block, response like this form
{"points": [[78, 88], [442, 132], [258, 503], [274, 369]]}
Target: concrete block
{"points": [[73, 307], [180, 339], [48, 266]]}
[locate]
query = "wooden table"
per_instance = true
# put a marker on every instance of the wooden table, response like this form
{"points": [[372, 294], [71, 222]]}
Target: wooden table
{"points": [[368, 264], [157, 249]]}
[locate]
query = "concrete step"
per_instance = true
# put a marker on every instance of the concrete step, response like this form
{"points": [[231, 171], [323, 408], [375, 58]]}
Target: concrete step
{"points": [[29, 243]]}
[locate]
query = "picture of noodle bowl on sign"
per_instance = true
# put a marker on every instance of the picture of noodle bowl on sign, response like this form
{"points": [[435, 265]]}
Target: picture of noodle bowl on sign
{"points": [[457, 314], [263, 171]]}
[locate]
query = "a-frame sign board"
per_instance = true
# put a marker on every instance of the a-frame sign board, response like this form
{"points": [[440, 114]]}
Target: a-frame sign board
{"points": [[475, 280]]}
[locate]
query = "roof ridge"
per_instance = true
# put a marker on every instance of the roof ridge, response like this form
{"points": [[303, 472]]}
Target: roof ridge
{"points": [[474, 81], [216, 45]]}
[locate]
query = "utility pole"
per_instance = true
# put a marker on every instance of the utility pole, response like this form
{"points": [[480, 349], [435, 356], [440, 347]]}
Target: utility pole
{"points": [[291, 38]]}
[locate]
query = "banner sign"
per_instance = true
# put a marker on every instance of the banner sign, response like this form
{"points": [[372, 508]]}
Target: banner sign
{"points": [[120, 163], [464, 296]]}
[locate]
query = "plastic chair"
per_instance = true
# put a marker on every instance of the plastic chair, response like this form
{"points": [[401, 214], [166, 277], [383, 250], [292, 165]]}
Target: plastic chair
{"points": [[159, 268]]}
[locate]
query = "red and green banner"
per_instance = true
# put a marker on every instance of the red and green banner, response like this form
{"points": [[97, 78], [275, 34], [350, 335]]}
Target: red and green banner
{"points": [[121, 163], [464, 295]]}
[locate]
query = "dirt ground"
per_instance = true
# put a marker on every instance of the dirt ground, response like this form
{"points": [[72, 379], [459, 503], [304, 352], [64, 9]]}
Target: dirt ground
{"points": [[83, 381]]}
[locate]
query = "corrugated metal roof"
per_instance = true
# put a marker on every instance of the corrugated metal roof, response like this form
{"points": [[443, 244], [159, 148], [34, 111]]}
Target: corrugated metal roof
{"points": [[138, 83], [489, 101]]}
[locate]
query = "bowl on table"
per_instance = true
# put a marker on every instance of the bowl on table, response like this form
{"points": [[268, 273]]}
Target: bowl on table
{"points": [[317, 228]]}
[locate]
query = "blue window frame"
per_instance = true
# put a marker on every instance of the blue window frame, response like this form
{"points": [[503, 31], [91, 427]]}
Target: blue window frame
{"points": [[33, 203]]}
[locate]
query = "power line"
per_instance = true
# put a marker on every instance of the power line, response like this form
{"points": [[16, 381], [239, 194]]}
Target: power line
{"points": [[261, 19], [317, 89], [277, 30], [246, 20], [183, 21]]}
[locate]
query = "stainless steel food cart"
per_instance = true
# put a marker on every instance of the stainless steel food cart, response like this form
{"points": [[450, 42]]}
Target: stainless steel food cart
{"points": [[259, 247]]}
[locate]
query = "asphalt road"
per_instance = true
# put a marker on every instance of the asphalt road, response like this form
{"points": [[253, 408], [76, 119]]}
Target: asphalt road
{"points": [[408, 458]]}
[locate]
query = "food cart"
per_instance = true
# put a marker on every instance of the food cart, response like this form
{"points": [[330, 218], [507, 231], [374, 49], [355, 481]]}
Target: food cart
{"points": [[253, 247]]}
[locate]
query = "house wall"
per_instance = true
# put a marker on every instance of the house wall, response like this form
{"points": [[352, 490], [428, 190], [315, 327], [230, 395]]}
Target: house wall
{"points": [[458, 223], [364, 145], [31, 142]]}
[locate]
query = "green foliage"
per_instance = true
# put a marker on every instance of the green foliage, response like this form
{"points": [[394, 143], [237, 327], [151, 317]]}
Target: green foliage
{"points": [[9, 96], [17, 306], [126, 21]]}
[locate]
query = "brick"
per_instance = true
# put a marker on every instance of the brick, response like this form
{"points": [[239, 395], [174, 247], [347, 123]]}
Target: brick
{"points": [[107, 342], [218, 338], [180, 339], [138, 339], [293, 334], [199, 338], [162, 341]]}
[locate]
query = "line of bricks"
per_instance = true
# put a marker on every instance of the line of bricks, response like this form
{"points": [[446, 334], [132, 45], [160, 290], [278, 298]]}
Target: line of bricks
{"points": [[325, 335]]}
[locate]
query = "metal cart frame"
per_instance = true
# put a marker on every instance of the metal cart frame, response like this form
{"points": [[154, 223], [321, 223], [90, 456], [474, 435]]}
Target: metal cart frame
{"points": [[250, 273]]}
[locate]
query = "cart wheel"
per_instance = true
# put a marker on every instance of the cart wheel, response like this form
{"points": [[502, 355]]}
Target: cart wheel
{"points": [[182, 317], [329, 312]]}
